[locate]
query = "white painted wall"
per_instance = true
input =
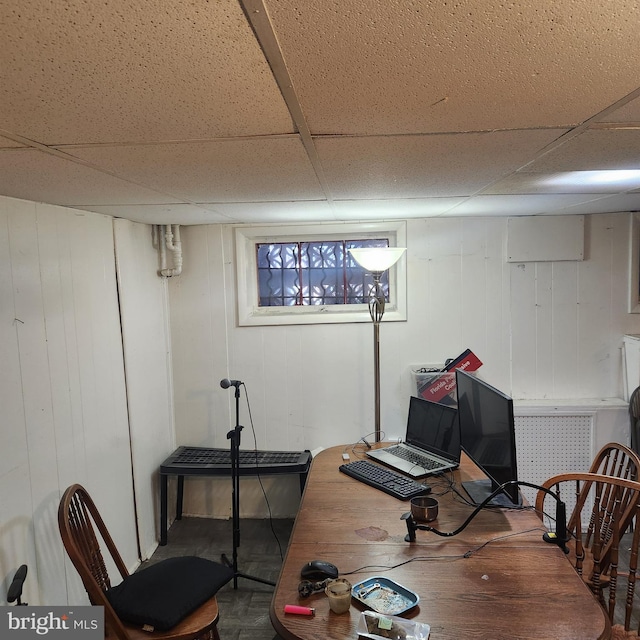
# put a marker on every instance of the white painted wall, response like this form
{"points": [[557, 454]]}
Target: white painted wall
{"points": [[542, 329], [147, 357], [62, 386]]}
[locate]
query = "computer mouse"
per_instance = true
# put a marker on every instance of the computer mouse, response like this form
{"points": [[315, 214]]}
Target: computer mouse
{"points": [[319, 570]]}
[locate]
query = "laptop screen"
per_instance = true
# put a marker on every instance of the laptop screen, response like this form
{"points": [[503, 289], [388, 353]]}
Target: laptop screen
{"points": [[434, 427]]}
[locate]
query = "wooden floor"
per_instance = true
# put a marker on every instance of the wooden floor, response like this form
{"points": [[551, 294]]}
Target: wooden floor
{"points": [[244, 612]]}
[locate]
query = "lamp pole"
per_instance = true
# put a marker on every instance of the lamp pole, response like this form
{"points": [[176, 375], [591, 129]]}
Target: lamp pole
{"points": [[376, 310], [376, 260]]}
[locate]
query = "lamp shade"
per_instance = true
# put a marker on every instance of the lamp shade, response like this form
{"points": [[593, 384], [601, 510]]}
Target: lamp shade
{"points": [[377, 259]]}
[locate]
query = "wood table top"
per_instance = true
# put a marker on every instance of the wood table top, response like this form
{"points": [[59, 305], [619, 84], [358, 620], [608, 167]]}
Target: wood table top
{"points": [[497, 579]]}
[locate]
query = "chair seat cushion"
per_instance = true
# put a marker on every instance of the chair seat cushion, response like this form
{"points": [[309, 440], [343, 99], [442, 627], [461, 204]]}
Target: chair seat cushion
{"points": [[166, 592]]}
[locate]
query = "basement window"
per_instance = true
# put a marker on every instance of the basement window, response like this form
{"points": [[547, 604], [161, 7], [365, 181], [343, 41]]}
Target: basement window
{"points": [[317, 272], [305, 274]]}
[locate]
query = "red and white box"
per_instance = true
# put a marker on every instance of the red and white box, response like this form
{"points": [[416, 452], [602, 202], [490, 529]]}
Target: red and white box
{"points": [[440, 384]]}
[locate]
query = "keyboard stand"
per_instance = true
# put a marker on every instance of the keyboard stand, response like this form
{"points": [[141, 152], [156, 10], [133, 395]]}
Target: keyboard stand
{"points": [[200, 461]]}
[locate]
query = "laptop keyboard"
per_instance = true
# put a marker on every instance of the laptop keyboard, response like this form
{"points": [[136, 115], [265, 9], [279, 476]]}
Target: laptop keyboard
{"points": [[415, 458]]}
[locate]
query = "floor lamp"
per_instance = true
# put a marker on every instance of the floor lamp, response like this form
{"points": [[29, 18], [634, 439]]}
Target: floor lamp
{"points": [[376, 260]]}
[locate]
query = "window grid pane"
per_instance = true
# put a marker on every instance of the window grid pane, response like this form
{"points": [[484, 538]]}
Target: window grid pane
{"points": [[314, 273]]}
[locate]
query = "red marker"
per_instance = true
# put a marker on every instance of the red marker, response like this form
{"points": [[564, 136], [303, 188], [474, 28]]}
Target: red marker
{"points": [[301, 611]]}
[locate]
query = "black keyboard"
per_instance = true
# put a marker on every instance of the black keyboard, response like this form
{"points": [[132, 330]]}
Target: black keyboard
{"points": [[391, 482]]}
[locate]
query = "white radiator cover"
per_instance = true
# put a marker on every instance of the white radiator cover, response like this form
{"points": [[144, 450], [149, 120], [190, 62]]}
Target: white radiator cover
{"points": [[552, 444], [558, 436]]}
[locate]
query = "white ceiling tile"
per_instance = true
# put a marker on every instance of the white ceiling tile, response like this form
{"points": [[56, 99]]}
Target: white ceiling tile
{"points": [[242, 170], [424, 66], [82, 72], [186, 214], [566, 182], [609, 204], [511, 205], [595, 149], [389, 209], [264, 212], [423, 166], [42, 177]]}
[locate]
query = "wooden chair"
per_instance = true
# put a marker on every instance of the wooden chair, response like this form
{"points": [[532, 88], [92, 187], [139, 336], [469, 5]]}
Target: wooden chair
{"points": [[618, 460], [78, 520], [615, 459], [605, 502]]}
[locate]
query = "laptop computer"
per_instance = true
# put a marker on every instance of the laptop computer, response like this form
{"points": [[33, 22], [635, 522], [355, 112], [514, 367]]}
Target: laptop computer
{"points": [[432, 441]]}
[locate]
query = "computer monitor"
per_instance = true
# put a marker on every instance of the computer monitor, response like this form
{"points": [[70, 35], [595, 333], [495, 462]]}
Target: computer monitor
{"points": [[487, 435]]}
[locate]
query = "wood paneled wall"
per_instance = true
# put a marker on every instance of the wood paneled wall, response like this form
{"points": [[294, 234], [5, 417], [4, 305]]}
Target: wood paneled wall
{"points": [[62, 387], [147, 356]]}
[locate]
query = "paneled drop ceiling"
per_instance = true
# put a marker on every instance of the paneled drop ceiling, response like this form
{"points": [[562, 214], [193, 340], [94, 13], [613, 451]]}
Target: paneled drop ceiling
{"points": [[196, 111]]}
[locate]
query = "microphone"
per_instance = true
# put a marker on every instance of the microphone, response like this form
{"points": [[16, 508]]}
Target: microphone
{"points": [[225, 383]]}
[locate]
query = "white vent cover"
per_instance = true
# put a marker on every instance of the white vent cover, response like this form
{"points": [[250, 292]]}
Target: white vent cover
{"points": [[545, 238], [551, 444]]}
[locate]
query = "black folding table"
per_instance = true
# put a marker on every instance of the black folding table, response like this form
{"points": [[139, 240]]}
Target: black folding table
{"points": [[199, 461]]}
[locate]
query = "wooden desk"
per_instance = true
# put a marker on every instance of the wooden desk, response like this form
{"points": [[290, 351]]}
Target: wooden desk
{"points": [[514, 588]]}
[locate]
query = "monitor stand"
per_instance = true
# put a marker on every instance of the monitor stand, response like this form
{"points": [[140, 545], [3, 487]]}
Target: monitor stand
{"points": [[480, 490]]}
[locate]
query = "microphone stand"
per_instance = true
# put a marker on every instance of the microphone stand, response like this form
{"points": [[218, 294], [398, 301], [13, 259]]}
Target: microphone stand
{"points": [[234, 437]]}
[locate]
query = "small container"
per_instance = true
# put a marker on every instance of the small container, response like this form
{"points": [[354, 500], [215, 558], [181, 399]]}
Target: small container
{"points": [[339, 594], [377, 626], [424, 508]]}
